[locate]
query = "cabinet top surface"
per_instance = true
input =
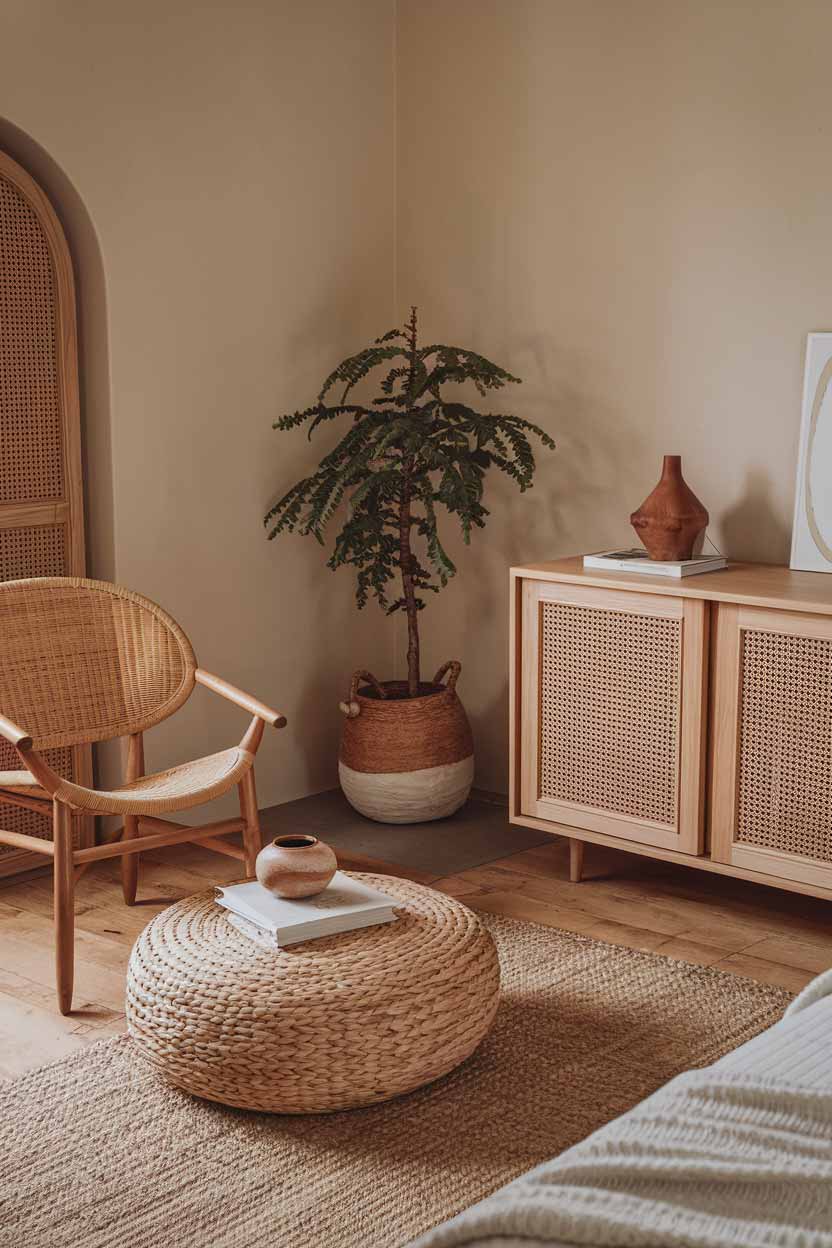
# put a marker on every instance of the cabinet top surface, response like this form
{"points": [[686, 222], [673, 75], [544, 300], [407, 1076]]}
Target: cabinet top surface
{"points": [[756, 584]]}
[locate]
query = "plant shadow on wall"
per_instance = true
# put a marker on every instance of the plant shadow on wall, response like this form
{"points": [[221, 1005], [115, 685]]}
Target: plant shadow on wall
{"points": [[407, 753], [582, 502]]}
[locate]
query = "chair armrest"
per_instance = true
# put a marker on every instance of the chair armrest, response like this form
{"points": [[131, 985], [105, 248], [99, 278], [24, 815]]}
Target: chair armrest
{"points": [[43, 773], [253, 705], [14, 735]]}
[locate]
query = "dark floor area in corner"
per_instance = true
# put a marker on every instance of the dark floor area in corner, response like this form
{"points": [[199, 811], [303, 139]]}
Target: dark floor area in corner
{"points": [[478, 833]]}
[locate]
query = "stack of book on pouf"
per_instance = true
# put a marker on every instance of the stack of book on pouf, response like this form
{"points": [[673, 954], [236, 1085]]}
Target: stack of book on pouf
{"points": [[278, 921]]}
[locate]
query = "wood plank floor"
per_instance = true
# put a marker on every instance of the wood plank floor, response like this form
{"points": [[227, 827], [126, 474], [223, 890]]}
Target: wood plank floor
{"points": [[746, 929]]}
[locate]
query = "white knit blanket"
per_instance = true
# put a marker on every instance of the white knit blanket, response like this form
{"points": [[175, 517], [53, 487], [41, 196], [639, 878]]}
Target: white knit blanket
{"points": [[739, 1154]]}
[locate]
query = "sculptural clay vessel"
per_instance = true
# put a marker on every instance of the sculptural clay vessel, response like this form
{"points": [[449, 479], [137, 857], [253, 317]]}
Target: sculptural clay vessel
{"points": [[295, 866], [671, 521]]}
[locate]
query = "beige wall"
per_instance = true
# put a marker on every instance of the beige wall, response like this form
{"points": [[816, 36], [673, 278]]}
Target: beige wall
{"points": [[626, 202], [236, 165]]}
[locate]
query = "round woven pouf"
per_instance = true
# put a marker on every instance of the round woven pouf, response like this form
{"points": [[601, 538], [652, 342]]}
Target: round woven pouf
{"points": [[329, 1024]]}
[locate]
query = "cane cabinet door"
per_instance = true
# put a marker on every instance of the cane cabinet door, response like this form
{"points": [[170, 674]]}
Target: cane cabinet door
{"points": [[771, 789], [613, 704]]}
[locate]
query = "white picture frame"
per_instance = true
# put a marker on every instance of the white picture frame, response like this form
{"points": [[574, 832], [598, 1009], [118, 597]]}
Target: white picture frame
{"points": [[812, 528]]}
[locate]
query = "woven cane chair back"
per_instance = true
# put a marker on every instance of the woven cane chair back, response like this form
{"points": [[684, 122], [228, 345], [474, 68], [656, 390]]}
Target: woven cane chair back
{"points": [[84, 661]]}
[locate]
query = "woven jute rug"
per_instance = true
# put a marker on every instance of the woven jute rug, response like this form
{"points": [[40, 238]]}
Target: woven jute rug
{"points": [[95, 1152]]}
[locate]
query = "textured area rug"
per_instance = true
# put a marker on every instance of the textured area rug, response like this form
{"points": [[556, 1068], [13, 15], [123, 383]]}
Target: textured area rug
{"points": [[96, 1152]]}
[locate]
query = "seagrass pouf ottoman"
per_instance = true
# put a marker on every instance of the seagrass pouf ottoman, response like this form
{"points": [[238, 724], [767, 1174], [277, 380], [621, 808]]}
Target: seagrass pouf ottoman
{"points": [[328, 1024]]}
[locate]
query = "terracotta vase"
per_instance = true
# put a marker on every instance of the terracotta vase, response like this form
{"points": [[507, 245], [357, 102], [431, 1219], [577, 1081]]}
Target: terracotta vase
{"points": [[671, 521], [295, 866]]}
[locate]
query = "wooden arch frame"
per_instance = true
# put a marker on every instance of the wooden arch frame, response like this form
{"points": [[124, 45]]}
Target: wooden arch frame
{"points": [[65, 510]]}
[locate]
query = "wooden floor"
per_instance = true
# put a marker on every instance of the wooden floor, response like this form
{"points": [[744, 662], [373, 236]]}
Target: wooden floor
{"points": [[746, 929]]}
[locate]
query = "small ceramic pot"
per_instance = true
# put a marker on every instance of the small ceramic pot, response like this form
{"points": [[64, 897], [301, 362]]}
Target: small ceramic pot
{"points": [[295, 866]]}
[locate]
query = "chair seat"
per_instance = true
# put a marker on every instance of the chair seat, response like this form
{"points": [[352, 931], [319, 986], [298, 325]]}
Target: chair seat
{"points": [[22, 782], [177, 788]]}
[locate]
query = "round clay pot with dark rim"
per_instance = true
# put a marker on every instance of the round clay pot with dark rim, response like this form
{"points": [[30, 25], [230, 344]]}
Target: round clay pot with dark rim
{"points": [[295, 865], [403, 759]]}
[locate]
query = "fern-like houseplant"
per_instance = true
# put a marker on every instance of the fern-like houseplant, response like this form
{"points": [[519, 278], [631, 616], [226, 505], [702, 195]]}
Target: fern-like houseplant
{"points": [[410, 452]]}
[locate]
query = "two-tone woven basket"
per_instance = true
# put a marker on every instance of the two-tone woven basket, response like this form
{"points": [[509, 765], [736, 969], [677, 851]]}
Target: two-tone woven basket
{"points": [[406, 760]]}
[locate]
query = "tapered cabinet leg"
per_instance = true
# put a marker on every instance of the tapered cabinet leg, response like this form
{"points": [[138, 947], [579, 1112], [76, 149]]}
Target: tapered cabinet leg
{"points": [[252, 842], [64, 903], [576, 861], [130, 862]]}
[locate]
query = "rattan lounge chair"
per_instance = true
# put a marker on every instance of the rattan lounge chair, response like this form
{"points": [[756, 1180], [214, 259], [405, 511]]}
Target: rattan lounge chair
{"points": [[84, 661]]}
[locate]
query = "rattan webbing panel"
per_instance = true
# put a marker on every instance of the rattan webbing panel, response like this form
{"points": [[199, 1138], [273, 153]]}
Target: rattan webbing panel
{"points": [[21, 550], [84, 661], [609, 710], [784, 800], [41, 546], [31, 456], [41, 525], [16, 819]]}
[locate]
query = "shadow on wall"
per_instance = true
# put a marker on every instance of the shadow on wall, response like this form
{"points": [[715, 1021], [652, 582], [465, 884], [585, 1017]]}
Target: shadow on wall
{"points": [[93, 346], [581, 500], [751, 528]]}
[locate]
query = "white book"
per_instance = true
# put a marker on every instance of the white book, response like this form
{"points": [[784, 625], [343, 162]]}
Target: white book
{"points": [[343, 904], [261, 937], [639, 561]]}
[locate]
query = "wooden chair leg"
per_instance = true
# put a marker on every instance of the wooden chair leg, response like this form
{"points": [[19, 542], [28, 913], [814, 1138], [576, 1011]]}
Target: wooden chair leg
{"points": [[576, 861], [64, 904], [130, 862], [252, 837]]}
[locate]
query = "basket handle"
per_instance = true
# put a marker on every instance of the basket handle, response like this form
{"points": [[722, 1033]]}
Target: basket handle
{"points": [[351, 708], [454, 667]]}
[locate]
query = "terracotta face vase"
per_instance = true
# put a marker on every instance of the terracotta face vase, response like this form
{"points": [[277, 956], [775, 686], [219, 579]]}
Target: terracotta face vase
{"points": [[295, 866], [671, 521]]}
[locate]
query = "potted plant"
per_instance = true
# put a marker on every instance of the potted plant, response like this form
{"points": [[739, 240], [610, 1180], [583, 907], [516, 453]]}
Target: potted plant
{"points": [[406, 753]]}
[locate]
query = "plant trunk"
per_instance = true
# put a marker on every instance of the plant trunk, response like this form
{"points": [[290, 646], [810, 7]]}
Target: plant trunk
{"points": [[409, 593]]}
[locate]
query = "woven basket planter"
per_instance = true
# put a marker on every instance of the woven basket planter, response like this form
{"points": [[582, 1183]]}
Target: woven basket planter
{"points": [[406, 760]]}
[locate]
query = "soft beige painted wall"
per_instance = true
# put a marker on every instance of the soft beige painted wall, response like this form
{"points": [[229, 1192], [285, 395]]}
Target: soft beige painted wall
{"points": [[236, 163], [628, 204]]}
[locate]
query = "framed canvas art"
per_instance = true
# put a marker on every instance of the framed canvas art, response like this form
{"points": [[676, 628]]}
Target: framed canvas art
{"points": [[812, 532]]}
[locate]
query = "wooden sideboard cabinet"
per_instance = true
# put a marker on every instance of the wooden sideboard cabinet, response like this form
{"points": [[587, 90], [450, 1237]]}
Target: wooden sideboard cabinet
{"points": [[689, 720]]}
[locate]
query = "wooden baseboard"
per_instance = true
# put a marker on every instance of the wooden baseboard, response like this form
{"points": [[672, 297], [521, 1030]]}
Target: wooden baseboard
{"points": [[15, 861], [493, 799]]}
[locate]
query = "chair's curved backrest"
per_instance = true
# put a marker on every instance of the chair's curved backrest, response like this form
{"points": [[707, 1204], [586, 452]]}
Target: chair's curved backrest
{"points": [[86, 661]]}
